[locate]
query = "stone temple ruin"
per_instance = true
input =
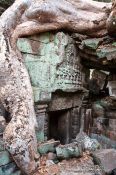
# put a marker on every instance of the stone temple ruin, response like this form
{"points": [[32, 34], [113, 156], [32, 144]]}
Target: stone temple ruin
{"points": [[57, 79], [74, 84], [71, 77]]}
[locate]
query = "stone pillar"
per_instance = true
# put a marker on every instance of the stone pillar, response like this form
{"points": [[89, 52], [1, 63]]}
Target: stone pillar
{"points": [[42, 121], [46, 127], [75, 116]]}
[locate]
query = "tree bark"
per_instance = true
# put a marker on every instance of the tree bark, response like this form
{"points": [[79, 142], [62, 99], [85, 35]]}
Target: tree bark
{"points": [[111, 22], [28, 17]]}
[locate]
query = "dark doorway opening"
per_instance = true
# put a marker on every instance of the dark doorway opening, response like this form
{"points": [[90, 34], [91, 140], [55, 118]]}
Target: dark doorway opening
{"points": [[59, 126]]}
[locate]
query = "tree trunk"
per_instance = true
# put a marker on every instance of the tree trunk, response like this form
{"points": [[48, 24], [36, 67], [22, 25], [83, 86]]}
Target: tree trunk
{"points": [[111, 22], [27, 17], [16, 96]]}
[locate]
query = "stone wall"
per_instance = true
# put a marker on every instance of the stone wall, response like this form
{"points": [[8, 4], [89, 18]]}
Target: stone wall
{"points": [[53, 64], [57, 79], [99, 55]]}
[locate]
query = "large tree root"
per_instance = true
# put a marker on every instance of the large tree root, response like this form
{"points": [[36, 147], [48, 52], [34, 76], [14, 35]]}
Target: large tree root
{"points": [[16, 96]]}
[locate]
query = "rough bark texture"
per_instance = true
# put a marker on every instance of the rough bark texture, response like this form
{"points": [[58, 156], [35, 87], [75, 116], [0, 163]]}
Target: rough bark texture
{"points": [[16, 96], [27, 17], [111, 22]]}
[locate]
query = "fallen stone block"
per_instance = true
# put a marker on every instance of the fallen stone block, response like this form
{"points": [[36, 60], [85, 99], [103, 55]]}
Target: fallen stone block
{"points": [[9, 169], [4, 158], [51, 156], [86, 142], [40, 136], [92, 43], [106, 159], [80, 166], [68, 151], [104, 141], [48, 146]]}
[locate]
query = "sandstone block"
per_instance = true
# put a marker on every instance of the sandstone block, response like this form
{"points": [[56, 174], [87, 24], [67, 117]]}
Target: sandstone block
{"points": [[106, 159]]}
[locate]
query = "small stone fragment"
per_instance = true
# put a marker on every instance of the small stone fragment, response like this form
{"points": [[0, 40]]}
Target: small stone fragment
{"points": [[49, 163], [4, 158], [9, 169], [51, 156]]}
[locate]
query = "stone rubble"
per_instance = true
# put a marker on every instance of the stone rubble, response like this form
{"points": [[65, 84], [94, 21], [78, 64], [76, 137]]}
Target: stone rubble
{"points": [[51, 160]]}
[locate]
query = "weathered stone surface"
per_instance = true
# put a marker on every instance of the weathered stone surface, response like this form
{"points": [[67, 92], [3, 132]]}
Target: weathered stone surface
{"points": [[9, 169], [112, 88], [109, 103], [80, 166], [40, 128], [105, 142], [43, 122], [111, 114], [108, 53], [55, 54], [98, 110], [51, 156], [98, 52], [68, 151], [1, 144], [112, 124], [29, 46], [75, 123], [62, 101], [48, 146], [106, 159], [86, 142], [100, 76], [92, 43], [4, 158], [2, 124]]}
